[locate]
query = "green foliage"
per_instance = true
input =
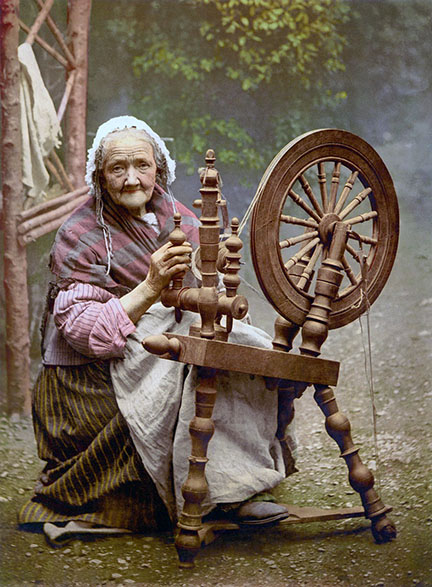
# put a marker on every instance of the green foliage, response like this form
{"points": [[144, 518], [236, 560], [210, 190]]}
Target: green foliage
{"points": [[207, 70], [205, 130], [269, 38]]}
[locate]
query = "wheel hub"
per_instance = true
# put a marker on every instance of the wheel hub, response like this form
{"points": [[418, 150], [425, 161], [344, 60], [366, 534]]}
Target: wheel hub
{"points": [[326, 227]]}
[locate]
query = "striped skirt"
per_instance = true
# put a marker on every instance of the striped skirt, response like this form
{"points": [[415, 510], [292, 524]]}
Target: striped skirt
{"points": [[93, 472]]}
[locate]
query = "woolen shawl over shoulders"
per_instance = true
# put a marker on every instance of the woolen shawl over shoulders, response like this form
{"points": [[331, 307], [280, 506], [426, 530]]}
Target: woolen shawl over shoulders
{"points": [[79, 258], [79, 252]]}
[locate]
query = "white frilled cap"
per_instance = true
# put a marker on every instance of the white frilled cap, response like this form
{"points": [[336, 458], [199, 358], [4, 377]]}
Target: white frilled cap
{"points": [[119, 123]]}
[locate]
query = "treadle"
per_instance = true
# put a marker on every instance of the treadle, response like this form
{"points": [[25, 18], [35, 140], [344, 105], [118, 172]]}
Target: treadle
{"points": [[298, 515]]}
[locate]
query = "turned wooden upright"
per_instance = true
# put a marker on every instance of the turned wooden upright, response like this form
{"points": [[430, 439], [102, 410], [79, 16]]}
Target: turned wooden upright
{"points": [[212, 307], [314, 333], [201, 427]]}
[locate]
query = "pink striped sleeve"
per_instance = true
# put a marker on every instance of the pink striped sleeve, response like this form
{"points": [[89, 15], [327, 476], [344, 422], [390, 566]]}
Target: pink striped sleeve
{"points": [[92, 321]]}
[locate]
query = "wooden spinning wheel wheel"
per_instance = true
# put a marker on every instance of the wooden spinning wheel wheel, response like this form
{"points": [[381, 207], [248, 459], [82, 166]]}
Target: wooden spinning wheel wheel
{"points": [[320, 178]]}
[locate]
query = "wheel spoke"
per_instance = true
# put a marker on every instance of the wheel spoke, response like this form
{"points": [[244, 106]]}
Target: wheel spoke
{"points": [[334, 186], [350, 273], [345, 192], [352, 252], [299, 221], [296, 258], [305, 276], [364, 239], [356, 202], [289, 242], [308, 191], [362, 218], [298, 200], [322, 180]]}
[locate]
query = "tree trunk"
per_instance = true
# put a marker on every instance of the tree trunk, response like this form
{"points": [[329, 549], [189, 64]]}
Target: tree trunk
{"points": [[15, 259], [78, 32]]}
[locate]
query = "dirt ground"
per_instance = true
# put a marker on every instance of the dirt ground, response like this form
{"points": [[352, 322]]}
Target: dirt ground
{"points": [[324, 554]]}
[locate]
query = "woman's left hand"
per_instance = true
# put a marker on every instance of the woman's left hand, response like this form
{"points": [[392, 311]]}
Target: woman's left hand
{"points": [[166, 262]]}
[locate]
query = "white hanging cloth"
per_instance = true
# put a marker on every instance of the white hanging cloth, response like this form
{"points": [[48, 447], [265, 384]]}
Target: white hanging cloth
{"points": [[40, 127]]}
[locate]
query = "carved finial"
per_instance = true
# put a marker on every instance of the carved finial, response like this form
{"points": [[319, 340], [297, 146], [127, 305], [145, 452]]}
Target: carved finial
{"points": [[209, 176], [232, 265], [232, 260], [210, 158], [177, 238], [209, 239], [235, 228]]}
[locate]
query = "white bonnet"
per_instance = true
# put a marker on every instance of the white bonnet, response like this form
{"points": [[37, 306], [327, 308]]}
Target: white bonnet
{"points": [[119, 123]]}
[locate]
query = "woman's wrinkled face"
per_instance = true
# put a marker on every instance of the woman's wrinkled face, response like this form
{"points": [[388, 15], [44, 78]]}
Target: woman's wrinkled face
{"points": [[129, 171]]}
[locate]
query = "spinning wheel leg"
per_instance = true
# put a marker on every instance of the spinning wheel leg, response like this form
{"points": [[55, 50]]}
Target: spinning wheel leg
{"points": [[194, 490], [360, 477]]}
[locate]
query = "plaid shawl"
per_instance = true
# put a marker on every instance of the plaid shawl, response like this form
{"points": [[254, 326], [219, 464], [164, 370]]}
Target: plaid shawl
{"points": [[79, 252]]}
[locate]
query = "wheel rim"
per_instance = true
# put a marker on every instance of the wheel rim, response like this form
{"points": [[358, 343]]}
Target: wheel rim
{"points": [[317, 179]]}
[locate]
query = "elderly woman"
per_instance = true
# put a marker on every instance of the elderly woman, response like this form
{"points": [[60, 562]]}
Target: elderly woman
{"points": [[111, 420]]}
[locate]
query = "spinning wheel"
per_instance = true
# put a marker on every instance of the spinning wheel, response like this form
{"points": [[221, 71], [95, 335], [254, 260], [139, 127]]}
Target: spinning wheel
{"points": [[323, 237], [320, 178]]}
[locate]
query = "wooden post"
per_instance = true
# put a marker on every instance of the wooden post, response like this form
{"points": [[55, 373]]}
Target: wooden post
{"points": [[15, 260], [76, 114]]}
